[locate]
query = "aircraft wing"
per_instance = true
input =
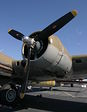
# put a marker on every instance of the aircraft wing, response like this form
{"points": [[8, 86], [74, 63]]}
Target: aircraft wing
{"points": [[79, 65], [5, 65]]}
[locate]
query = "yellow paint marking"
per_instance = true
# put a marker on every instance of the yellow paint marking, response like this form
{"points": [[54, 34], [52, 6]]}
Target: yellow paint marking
{"points": [[9, 30], [74, 12]]}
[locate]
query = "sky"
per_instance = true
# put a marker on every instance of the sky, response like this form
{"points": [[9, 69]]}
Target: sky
{"points": [[28, 16]]}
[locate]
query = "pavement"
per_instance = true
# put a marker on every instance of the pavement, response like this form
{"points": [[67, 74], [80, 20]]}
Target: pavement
{"points": [[60, 99]]}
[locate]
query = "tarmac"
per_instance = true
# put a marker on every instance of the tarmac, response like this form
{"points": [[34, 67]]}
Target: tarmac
{"points": [[60, 99]]}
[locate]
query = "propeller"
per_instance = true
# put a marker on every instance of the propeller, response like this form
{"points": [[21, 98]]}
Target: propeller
{"points": [[26, 71], [45, 33], [49, 30], [33, 42]]}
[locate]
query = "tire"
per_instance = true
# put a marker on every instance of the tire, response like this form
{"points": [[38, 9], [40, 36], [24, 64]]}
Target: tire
{"points": [[10, 95]]}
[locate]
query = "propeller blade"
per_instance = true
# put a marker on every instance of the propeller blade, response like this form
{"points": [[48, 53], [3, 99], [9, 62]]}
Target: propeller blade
{"points": [[16, 34], [27, 73], [57, 25]]}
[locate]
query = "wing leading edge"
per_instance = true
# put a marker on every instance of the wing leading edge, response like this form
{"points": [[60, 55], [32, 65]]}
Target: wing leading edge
{"points": [[5, 65]]}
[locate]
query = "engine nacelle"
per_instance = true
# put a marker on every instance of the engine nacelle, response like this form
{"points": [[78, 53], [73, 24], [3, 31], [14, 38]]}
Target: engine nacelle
{"points": [[51, 56]]}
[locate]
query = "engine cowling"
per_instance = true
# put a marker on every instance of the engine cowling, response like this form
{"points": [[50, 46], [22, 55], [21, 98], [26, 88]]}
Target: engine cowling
{"points": [[57, 55], [50, 55]]}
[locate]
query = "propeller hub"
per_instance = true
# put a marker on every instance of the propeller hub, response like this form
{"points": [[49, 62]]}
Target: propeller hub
{"points": [[29, 41]]}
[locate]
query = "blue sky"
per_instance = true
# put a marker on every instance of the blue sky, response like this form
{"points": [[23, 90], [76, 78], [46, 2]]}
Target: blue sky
{"points": [[28, 16]]}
